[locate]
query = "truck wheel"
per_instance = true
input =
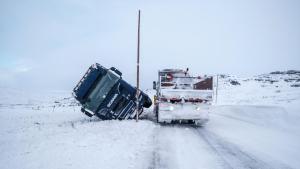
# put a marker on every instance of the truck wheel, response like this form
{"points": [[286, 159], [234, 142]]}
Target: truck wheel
{"points": [[156, 113], [147, 101]]}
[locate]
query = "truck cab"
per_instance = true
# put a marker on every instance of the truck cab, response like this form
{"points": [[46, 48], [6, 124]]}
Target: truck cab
{"points": [[103, 92]]}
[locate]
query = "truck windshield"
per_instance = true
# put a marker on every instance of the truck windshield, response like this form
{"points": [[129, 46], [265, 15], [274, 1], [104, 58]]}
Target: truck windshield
{"points": [[101, 90]]}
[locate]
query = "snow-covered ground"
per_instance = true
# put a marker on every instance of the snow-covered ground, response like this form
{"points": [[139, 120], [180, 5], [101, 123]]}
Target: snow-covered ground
{"points": [[64, 138], [253, 125]]}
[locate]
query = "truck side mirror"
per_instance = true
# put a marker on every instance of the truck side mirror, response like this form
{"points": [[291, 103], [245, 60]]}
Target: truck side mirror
{"points": [[154, 85], [116, 71]]}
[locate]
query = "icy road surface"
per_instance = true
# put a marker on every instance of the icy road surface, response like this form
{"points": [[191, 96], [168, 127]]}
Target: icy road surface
{"points": [[235, 137], [231, 142]]}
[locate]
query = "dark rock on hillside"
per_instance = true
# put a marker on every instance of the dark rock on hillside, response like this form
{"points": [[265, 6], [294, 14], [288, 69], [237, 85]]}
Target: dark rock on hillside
{"points": [[295, 85], [276, 73], [289, 72], [291, 80], [271, 81], [223, 76], [259, 80], [234, 82]]}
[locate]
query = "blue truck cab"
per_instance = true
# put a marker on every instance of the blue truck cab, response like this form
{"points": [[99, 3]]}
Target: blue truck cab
{"points": [[103, 92]]}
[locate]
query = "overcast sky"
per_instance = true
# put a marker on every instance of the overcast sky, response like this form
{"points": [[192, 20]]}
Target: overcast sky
{"points": [[50, 44]]}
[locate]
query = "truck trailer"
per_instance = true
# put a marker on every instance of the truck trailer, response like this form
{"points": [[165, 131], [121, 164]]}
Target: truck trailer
{"points": [[182, 98], [103, 92]]}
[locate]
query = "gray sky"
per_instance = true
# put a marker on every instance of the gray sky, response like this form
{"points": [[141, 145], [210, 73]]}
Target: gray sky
{"points": [[50, 44]]}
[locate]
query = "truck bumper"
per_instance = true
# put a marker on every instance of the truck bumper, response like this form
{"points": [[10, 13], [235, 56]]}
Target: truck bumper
{"points": [[168, 112]]}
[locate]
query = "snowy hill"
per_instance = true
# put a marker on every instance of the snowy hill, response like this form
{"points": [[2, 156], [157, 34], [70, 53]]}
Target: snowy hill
{"points": [[253, 125], [275, 88]]}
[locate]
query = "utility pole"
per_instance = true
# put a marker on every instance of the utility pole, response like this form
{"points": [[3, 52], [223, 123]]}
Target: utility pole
{"points": [[138, 70], [217, 89]]}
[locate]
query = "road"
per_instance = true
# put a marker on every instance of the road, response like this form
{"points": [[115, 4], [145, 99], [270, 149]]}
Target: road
{"points": [[228, 141]]}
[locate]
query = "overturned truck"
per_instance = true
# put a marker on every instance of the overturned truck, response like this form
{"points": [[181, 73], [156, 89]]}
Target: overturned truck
{"points": [[103, 92], [182, 98]]}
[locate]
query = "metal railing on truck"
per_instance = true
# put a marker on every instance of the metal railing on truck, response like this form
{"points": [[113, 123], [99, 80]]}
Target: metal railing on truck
{"points": [[84, 77]]}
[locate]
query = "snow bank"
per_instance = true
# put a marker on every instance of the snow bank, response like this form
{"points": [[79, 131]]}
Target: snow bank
{"points": [[65, 138]]}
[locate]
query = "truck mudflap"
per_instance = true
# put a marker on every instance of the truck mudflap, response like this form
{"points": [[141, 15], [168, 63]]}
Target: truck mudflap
{"points": [[183, 113]]}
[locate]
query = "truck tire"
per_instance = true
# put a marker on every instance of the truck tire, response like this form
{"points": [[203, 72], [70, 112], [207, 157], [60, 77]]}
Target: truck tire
{"points": [[147, 102], [156, 113]]}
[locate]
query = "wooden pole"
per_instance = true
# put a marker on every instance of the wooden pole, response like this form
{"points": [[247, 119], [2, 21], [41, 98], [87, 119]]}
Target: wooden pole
{"points": [[138, 69], [217, 89]]}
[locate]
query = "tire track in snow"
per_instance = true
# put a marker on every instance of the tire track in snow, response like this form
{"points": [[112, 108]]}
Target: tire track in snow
{"points": [[155, 161], [232, 156], [179, 147], [159, 150]]}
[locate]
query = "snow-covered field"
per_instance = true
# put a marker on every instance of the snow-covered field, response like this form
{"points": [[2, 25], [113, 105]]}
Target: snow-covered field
{"points": [[253, 125]]}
